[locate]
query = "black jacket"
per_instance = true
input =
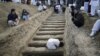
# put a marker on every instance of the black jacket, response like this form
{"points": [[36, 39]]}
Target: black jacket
{"points": [[12, 17], [72, 11], [79, 4], [78, 20]]}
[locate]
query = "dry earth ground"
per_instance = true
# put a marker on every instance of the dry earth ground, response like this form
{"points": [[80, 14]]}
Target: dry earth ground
{"points": [[5, 10], [13, 38], [78, 42]]}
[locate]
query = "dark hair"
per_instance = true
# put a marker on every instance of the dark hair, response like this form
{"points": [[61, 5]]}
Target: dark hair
{"points": [[12, 10], [61, 44], [72, 8]]}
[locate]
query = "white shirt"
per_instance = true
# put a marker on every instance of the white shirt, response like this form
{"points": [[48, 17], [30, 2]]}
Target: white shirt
{"points": [[33, 2], [61, 2], [15, 1], [96, 26], [49, 2], [44, 6], [40, 2], [58, 7], [94, 2], [52, 43], [40, 8]]}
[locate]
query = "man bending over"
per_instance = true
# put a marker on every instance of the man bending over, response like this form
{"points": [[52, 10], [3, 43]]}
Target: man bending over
{"points": [[54, 43]]}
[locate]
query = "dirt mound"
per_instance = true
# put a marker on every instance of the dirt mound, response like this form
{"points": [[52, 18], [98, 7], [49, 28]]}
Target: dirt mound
{"points": [[78, 41], [5, 9], [89, 22], [12, 40]]}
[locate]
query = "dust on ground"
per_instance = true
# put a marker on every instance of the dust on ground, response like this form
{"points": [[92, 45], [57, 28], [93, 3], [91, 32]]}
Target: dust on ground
{"points": [[15, 38], [80, 43], [5, 10]]}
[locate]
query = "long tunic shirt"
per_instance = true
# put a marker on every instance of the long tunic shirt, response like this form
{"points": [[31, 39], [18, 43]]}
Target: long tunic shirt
{"points": [[53, 43], [94, 2]]}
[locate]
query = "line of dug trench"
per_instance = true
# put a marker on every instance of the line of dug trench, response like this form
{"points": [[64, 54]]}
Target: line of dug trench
{"points": [[52, 27]]}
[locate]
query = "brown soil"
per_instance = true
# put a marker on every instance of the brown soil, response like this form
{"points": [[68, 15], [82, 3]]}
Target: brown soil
{"points": [[88, 26], [77, 40], [79, 43], [5, 9], [14, 38], [11, 37]]}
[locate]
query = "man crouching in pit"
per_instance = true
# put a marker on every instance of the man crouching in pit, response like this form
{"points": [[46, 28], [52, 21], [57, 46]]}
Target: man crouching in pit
{"points": [[54, 43], [77, 17], [13, 18]]}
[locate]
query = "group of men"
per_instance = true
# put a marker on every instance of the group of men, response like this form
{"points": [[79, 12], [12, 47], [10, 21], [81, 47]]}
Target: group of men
{"points": [[41, 6], [90, 6]]}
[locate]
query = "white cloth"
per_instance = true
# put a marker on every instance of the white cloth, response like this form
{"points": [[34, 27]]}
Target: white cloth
{"points": [[86, 6], [94, 2], [12, 23], [82, 8], [70, 5], [61, 2], [59, 8], [52, 43], [98, 12], [40, 8], [16, 1], [96, 26], [40, 2], [74, 4], [93, 10], [33, 2], [44, 6], [49, 2], [26, 17]]}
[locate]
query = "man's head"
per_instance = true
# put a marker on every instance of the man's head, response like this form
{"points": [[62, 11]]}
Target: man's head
{"points": [[13, 11], [61, 44], [24, 10], [72, 8]]}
